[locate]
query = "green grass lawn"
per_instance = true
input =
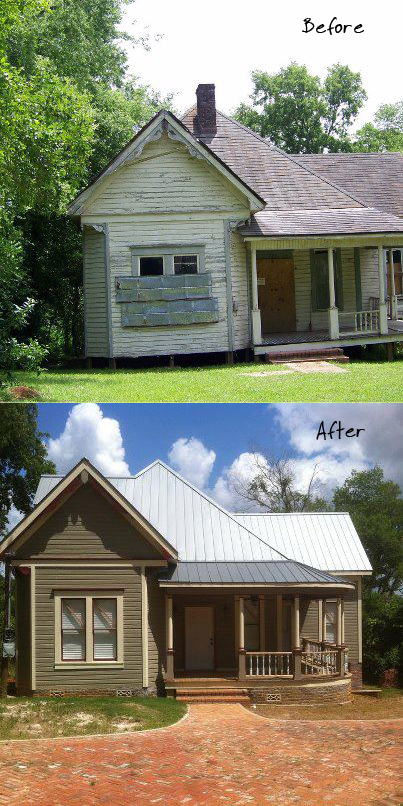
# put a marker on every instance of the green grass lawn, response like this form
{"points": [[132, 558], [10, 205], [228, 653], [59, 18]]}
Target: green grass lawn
{"points": [[372, 381], [48, 717]]}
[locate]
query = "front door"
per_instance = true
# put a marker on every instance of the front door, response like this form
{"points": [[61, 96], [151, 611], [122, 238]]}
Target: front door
{"points": [[275, 277], [199, 637]]}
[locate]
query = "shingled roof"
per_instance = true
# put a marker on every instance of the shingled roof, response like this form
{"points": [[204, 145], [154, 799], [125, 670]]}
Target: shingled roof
{"points": [[303, 197], [377, 179]]}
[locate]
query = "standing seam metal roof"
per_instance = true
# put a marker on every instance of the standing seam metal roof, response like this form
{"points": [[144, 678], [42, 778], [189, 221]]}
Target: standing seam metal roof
{"points": [[281, 572]]}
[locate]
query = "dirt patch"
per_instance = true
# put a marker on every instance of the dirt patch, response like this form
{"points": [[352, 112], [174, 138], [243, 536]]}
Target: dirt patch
{"points": [[24, 393], [305, 367], [124, 725]]}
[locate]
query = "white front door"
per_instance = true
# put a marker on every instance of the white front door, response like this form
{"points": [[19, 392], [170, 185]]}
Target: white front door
{"points": [[199, 637]]}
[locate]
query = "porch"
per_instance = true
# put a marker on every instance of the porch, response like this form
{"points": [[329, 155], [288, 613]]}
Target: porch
{"points": [[330, 293], [230, 643]]}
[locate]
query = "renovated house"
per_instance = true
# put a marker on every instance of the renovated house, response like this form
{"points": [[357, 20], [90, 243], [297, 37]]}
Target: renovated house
{"points": [[145, 583], [200, 236]]}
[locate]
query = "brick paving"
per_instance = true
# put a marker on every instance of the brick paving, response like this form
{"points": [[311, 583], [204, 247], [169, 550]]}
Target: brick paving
{"points": [[220, 754]]}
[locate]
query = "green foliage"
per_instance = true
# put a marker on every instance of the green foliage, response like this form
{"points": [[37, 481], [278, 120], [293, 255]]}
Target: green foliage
{"points": [[376, 508], [385, 134], [300, 114], [22, 459], [382, 633]]}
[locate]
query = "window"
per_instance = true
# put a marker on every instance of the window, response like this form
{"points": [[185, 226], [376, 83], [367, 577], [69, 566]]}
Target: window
{"points": [[88, 628], [151, 266], [331, 622], [185, 264], [73, 629], [104, 629], [320, 280]]}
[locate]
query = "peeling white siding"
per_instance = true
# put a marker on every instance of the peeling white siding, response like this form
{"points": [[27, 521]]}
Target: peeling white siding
{"points": [[240, 295], [96, 302], [303, 289], [369, 276]]}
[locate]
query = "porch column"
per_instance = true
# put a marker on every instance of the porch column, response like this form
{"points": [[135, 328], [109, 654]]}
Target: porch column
{"points": [[393, 297], [170, 639], [279, 622], [383, 308], [339, 624], [256, 320], [297, 645], [262, 624], [241, 648], [333, 311]]}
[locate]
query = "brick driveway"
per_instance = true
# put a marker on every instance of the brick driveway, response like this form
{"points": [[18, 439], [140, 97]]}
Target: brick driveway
{"points": [[219, 754]]}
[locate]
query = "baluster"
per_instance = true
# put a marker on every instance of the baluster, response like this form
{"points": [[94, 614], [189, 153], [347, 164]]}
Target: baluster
{"points": [[250, 664], [263, 664], [275, 665]]}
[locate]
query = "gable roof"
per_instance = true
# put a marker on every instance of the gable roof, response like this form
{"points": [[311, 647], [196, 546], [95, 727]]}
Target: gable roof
{"points": [[62, 488], [376, 178], [165, 120], [201, 531], [325, 540]]}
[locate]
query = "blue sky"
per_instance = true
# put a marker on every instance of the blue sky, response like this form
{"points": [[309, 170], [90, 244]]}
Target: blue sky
{"points": [[212, 444]]}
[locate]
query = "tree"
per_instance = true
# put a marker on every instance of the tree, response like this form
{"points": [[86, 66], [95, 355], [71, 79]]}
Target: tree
{"points": [[299, 113], [376, 509], [271, 483], [22, 459], [385, 134]]}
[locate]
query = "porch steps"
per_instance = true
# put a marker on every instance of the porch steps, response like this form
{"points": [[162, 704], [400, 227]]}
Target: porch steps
{"points": [[319, 354], [210, 695]]}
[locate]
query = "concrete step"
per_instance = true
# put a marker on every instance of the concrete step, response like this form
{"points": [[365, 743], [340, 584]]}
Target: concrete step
{"points": [[197, 691], [329, 354]]}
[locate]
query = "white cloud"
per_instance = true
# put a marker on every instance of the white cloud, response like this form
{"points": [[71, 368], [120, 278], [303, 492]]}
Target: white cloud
{"points": [[88, 433], [243, 469], [14, 516], [193, 460], [380, 442]]}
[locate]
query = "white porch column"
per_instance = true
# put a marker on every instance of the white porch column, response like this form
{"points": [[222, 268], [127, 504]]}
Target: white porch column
{"points": [[393, 297], [256, 320], [279, 622], [333, 311], [383, 310], [262, 624], [296, 623], [170, 638], [241, 648], [339, 629], [324, 636]]}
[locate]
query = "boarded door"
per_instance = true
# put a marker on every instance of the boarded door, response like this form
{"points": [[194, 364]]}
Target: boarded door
{"points": [[276, 294], [199, 638]]}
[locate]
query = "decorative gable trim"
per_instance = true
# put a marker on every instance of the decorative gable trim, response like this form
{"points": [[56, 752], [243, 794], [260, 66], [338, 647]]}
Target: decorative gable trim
{"points": [[176, 130], [85, 473]]}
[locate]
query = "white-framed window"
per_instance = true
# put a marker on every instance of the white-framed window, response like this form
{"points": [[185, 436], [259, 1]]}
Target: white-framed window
{"points": [[331, 618], [180, 259], [88, 628]]}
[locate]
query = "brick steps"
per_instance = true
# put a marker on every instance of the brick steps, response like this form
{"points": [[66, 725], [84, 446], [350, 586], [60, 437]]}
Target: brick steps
{"points": [[329, 354], [209, 695]]}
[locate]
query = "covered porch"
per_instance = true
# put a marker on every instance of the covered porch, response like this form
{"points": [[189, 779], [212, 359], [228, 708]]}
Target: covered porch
{"points": [[327, 292], [257, 639]]}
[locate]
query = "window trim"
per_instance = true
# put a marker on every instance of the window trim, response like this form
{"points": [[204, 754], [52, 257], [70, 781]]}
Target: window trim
{"points": [[89, 595], [331, 601], [115, 630], [167, 252], [73, 660]]}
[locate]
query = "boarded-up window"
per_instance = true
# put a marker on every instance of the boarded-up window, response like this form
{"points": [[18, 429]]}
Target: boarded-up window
{"points": [[151, 266], [331, 622], [185, 264], [104, 627], [73, 629]]}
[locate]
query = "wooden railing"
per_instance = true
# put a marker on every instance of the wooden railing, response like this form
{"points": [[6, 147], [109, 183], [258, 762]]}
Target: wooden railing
{"points": [[322, 663], [359, 321], [311, 645], [269, 664]]}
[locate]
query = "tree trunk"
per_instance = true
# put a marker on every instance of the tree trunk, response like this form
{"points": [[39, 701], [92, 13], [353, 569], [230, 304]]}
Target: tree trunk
{"points": [[4, 660]]}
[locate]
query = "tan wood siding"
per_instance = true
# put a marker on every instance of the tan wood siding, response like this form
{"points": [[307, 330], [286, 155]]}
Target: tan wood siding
{"points": [[309, 619], [70, 679], [95, 294], [87, 526], [23, 632], [351, 621], [156, 633]]}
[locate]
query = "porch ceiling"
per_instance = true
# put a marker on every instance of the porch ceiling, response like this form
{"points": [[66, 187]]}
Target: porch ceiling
{"points": [[226, 574]]}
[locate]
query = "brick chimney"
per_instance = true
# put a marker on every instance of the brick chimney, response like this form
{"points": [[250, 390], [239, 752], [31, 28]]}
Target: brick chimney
{"points": [[206, 111]]}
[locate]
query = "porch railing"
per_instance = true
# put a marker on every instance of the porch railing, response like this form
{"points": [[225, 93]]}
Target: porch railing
{"points": [[269, 664], [311, 645], [322, 663], [359, 321]]}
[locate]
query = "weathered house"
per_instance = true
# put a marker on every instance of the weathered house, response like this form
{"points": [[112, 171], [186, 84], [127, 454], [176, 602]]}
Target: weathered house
{"points": [[126, 584], [200, 237]]}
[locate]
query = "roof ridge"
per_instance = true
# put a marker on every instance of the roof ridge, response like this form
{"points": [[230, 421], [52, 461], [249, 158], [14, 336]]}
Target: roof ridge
{"points": [[289, 156], [211, 501]]}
